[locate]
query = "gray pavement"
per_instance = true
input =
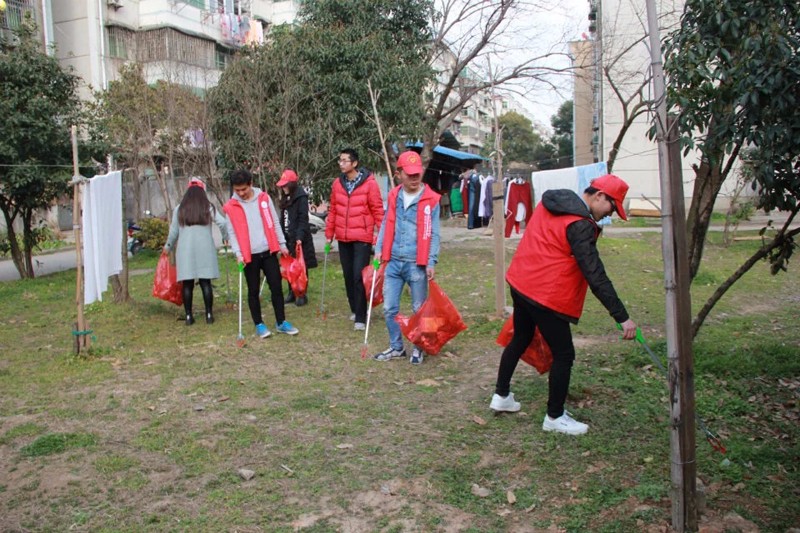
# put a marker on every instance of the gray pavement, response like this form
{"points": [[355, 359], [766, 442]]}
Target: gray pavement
{"points": [[452, 230]]}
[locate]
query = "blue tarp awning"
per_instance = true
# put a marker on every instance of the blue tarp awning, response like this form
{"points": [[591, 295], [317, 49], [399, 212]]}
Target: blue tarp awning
{"points": [[449, 152]]}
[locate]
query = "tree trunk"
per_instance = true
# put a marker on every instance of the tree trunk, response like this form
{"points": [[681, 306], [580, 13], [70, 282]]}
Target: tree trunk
{"points": [[762, 252], [28, 241], [119, 282], [16, 252]]}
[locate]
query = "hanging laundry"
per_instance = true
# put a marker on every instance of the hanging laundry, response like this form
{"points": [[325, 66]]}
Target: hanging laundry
{"points": [[487, 188], [518, 204], [102, 233], [573, 178]]}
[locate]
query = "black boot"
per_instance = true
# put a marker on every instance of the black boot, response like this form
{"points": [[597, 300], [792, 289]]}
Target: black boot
{"points": [[209, 318], [303, 300], [289, 298], [189, 320]]}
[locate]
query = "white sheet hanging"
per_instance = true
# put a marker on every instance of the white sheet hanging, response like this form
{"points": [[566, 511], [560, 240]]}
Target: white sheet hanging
{"points": [[102, 233]]}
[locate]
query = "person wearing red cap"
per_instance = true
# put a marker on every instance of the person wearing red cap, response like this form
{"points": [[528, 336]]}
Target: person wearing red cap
{"points": [[409, 244], [196, 256], [294, 208], [556, 261], [355, 212]]}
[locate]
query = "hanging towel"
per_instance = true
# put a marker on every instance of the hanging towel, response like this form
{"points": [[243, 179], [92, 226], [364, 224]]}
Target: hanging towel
{"points": [[102, 233], [573, 178]]}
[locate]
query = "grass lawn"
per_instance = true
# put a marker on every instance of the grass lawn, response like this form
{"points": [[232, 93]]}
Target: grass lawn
{"points": [[149, 430]]}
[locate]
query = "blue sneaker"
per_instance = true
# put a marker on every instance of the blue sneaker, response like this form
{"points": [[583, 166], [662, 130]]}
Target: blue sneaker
{"points": [[262, 331], [286, 327]]}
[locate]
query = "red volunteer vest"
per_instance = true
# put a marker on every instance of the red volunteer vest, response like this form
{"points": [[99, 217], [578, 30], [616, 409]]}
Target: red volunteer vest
{"points": [[427, 202], [235, 212], [544, 269]]}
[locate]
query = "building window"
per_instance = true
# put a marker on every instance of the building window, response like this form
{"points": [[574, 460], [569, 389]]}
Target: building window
{"points": [[222, 58], [120, 42], [13, 15]]}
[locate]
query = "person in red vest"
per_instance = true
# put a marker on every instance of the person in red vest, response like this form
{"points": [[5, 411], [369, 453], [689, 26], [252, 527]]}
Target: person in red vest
{"points": [[556, 261], [355, 212], [409, 244], [256, 239]]}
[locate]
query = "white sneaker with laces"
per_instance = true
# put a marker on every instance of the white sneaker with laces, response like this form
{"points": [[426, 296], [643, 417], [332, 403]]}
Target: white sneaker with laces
{"points": [[359, 326], [507, 404], [416, 356], [564, 424]]}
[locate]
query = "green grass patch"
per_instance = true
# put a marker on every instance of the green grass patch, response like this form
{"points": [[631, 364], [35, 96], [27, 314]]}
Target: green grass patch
{"points": [[53, 443]]}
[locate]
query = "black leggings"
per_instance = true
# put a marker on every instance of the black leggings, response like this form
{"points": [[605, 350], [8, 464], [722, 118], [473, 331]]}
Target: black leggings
{"points": [[556, 332], [268, 264], [188, 292]]}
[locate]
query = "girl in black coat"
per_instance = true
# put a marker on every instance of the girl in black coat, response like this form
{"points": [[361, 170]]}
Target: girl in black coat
{"points": [[294, 207]]}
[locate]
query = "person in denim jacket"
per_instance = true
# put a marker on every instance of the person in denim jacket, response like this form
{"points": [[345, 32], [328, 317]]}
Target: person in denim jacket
{"points": [[408, 243]]}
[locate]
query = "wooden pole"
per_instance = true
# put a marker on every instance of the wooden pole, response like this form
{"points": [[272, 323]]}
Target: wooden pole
{"points": [[498, 213], [497, 230], [374, 99], [81, 339], [673, 248]]}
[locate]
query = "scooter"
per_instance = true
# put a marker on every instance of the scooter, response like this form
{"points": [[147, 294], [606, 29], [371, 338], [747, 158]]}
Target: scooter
{"points": [[135, 244], [316, 221]]}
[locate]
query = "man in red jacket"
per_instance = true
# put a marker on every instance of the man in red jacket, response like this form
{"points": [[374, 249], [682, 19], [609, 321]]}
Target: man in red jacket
{"points": [[556, 261], [355, 213]]}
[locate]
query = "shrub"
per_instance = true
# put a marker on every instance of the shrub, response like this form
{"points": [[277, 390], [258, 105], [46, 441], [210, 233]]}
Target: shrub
{"points": [[154, 233]]}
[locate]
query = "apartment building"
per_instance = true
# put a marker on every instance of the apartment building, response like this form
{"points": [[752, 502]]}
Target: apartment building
{"points": [[612, 65], [185, 41]]}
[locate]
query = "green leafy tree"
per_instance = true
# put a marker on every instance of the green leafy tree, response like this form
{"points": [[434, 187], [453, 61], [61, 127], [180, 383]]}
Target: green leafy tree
{"points": [[145, 126], [38, 103], [520, 142], [734, 78], [302, 97], [563, 135]]}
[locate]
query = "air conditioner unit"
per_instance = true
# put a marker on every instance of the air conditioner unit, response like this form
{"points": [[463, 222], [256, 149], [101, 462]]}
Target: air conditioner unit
{"points": [[116, 4]]}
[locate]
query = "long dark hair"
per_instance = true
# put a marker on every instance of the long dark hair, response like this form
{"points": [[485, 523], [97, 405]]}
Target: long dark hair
{"points": [[286, 198], [195, 209]]}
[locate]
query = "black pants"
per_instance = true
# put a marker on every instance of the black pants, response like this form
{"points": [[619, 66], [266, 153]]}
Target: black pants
{"points": [[188, 292], [354, 256], [268, 264], [556, 331]]}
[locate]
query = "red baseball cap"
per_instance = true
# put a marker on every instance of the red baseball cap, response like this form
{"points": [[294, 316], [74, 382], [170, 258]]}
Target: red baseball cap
{"points": [[288, 175], [614, 188], [410, 161], [196, 182]]}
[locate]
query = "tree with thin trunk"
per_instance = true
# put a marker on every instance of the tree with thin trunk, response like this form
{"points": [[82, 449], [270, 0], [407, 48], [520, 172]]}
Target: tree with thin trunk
{"points": [[38, 103], [734, 77], [465, 34]]}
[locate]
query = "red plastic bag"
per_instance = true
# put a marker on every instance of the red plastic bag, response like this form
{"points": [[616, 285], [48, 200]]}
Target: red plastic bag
{"points": [[434, 324], [293, 270], [538, 353], [366, 277], [165, 284]]}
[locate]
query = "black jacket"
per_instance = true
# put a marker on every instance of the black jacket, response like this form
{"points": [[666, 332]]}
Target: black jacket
{"points": [[582, 238], [295, 225]]}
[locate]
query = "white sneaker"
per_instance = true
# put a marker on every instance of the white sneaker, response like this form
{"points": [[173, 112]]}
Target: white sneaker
{"points": [[507, 404], [352, 317], [564, 424], [359, 326]]}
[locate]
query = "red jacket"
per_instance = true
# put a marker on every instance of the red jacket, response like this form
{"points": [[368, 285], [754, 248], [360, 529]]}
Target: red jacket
{"points": [[544, 268], [355, 217]]}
